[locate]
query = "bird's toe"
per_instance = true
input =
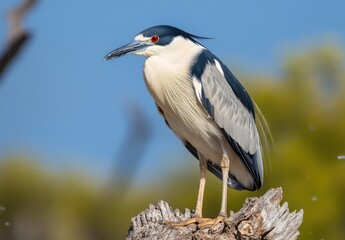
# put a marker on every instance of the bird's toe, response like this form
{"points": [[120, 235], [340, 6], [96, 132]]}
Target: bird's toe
{"points": [[212, 223], [182, 223], [197, 220]]}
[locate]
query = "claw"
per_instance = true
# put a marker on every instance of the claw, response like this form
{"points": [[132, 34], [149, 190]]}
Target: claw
{"points": [[198, 220], [212, 223]]}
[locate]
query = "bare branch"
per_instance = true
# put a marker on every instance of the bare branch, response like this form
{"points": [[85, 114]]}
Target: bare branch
{"points": [[17, 36]]}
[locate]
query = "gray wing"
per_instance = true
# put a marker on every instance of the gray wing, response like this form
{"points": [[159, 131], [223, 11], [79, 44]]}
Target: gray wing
{"points": [[220, 101], [228, 103]]}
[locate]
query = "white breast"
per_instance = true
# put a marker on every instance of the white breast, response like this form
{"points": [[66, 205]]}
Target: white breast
{"points": [[168, 79]]}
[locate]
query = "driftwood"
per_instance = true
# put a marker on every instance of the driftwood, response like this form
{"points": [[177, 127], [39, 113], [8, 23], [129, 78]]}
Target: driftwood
{"points": [[259, 218]]}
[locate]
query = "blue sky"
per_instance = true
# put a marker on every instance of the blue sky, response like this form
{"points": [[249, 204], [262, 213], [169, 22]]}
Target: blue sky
{"points": [[62, 102]]}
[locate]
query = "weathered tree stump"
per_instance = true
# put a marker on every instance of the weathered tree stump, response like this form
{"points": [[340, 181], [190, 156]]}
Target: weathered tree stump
{"points": [[259, 218]]}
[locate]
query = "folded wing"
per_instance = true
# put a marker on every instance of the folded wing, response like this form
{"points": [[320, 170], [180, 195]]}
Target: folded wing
{"points": [[229, 104]]}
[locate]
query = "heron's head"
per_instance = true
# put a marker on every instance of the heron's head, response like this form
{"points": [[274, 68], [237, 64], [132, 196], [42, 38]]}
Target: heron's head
{"points": [[154, 41]]}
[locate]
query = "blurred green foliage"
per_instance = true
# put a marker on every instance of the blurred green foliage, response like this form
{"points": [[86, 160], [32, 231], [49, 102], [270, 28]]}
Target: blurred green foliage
{"points": [[305, 108]]}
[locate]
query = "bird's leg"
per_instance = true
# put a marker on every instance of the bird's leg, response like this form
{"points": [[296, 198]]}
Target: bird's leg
{"points": [[225, 165], [222, 214], [198, 210], [202, 182]]}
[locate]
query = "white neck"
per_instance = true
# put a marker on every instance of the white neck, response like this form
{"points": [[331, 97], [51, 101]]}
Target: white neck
{"points": [[169, 67]]}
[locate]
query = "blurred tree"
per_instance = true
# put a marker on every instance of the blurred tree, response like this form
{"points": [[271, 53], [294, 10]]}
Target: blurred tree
{"points": [[305, 110]]}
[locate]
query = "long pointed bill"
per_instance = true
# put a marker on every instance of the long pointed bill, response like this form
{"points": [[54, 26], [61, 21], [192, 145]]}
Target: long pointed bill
{"points": [[133, 47]]}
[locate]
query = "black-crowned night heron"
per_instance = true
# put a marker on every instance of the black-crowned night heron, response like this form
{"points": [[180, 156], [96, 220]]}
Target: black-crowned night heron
{"points": [[206, 107]]}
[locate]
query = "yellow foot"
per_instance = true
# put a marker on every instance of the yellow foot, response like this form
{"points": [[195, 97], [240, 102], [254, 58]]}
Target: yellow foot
{"points": [[212, 222], [197, 220]]}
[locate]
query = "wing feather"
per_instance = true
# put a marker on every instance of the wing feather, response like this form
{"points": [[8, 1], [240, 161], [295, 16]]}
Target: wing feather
{"points": [[228, 103], [220, 101]]}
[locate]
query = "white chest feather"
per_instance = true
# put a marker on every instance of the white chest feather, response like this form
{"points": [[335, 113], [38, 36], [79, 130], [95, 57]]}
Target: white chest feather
{"points": [[168, 72], [168, 79]]}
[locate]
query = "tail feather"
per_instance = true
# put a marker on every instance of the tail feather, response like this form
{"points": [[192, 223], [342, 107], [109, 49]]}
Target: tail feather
{"points": [[266, 138]]}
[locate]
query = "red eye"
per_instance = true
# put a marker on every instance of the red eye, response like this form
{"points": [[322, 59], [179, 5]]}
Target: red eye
{"points": [[154, 39]]}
